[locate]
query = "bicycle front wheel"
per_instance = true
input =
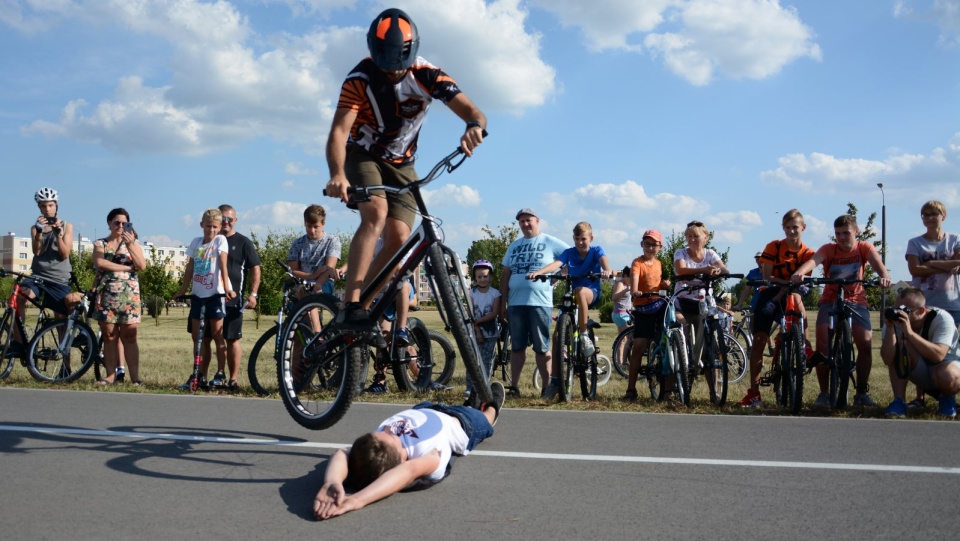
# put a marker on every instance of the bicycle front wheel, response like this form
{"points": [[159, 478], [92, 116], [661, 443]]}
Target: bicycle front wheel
{"points": [[604, 369], [797, 368], [318, 371], [680, 366], [565, 350], [262, 366], [588, 375], [443, 267], [844, 366], [622, 348], [444, 357], [45, 360], [715, 369], [99, 369], [6, 337]]}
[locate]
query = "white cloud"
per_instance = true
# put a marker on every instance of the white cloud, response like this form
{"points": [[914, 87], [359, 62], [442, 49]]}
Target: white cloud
{"points": [[742, 39], [451, 195], [229, 84], [945, 13], [629, 194], [163, 240], [608, 24], [298, 169], [903, 174]]}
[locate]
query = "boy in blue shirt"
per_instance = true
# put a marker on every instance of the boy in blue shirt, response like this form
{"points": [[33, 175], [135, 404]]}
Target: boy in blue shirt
{"points": [[579, 260]]}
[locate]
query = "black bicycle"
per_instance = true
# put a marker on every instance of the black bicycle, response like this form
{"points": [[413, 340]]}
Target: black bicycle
{"points": [[63, 350], [569, 360], [842, 360], [320, 374], [789, 358], [11, 325]]}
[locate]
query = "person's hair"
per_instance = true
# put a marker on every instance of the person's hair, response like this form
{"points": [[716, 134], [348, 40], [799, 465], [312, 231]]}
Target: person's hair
{"points": [[625, 271], [725, 298], [933, 204], [368, 459], [315, 214], [225, 207], [698, 227], [791, 215], [116, 212], [211, 214], [846, 219], [582, 228], [913, 294]]}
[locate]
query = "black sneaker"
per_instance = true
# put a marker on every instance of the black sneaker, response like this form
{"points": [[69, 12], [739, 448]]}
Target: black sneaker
{"points": [[219, 380], [499, 395], [353, 317]]}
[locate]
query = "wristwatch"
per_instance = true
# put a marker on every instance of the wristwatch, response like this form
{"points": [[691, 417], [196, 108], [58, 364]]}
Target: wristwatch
{"points": [[254, 294], [473, 124]]}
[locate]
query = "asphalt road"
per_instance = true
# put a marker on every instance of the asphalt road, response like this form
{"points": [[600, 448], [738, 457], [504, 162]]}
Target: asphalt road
{"points": [[99, 465]]}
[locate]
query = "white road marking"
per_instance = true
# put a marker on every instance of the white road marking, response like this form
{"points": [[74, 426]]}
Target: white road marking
{"points": [[506, 454]]}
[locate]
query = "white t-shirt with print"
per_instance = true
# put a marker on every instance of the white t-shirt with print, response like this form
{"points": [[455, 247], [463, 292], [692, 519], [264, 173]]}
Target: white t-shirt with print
{"points": [[483, 305], [422, 431], [709, 258], [206, 265]]}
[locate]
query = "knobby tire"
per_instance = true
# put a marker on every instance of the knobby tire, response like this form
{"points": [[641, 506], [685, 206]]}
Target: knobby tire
{"points": [[44, 360]]}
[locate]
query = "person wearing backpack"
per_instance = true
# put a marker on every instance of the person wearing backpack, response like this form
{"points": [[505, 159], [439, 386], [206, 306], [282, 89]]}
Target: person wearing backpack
{"points": [[928, 339]]}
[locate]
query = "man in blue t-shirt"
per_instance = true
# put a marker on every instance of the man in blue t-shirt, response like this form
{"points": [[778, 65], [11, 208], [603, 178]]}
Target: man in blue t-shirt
{"points": [[528, 304]]}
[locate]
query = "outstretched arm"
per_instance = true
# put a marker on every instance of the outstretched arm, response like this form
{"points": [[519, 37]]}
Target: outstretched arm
{"points": [[391, 482]]}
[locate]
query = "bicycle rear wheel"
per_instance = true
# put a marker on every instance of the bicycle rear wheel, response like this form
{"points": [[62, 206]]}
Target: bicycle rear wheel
{"points": [[502, 357], [262, 366], [99, 369], [738, 361], [6, 337], [654, 370], [443, 266], [47, 363], [797, 368], [604, 369], [319, 370], [622, 348], [444, 357], [412, 365]]}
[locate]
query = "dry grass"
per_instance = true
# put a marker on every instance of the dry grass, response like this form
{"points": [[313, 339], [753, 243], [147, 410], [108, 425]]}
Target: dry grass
{"points": [[166, 353]]}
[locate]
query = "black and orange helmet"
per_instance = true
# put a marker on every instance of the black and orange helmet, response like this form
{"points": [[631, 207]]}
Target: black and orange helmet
{"points": [[393, 40]]}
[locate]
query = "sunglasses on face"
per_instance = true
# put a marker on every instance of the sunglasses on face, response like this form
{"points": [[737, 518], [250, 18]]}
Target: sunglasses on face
{"points": [[229, 220], [118, 222], [929, 214], [650, 244]]}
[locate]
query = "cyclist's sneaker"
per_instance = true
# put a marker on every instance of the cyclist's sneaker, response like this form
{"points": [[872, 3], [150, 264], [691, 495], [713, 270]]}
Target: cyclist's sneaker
{"points": [[437, 386], [630, 396], [948, 406], [551, 389], [863, 399], [897, 408], [499, 395], [121, 373], [513, 392], [815, 358], [219, 380], [355, 318], [586, 345], [403, 337], [917, 404], [752, 400], [376, 388], [822, 401]]}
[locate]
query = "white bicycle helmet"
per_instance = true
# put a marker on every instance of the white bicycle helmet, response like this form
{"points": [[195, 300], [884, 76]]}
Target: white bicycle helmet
{"points": [[45, 194]]}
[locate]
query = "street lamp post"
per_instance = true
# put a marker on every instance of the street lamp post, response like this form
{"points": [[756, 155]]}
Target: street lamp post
{"points": [[883, 246]]}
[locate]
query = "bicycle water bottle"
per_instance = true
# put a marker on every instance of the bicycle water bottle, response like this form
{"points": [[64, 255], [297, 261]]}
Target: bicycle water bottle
{"points": [[701, 297], [711, 303]]}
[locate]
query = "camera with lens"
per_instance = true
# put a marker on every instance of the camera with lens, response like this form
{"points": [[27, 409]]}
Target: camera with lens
{"points": [[894, 312]]}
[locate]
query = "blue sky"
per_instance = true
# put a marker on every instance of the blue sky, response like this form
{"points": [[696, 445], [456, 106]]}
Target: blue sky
{"points": [[626, 114]]}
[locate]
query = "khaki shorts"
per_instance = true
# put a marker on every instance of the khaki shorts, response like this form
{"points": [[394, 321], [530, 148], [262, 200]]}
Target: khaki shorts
{"points": [[363, 169]]}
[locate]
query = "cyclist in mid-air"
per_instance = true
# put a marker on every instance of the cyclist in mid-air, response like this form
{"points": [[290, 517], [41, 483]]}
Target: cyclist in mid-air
{"points": [[373, 141]]}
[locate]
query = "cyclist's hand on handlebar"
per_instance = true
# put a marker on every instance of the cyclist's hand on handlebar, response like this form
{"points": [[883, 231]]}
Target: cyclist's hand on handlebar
{"points": [[885, 282], [471, 139], [337, 187], [796, 278]]}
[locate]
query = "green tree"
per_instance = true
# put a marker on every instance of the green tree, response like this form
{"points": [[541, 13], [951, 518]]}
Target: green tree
{"points": [[82, 265], [157, 285], [493, 248], [272, 248], [675, 241]]}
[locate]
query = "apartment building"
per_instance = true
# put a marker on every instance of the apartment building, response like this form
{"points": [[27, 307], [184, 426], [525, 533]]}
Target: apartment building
{"points": [[15, 253]]}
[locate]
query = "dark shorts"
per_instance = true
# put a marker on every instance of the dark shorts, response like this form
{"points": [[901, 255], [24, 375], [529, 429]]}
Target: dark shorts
{"points": [[215, 308], [233, 324], [763, 322], [54, 295], [473, 421], [363, 169], [648, 325]]}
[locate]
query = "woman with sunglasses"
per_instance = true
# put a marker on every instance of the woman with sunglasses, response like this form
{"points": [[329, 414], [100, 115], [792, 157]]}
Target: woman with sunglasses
{"points": [[117, 258]]}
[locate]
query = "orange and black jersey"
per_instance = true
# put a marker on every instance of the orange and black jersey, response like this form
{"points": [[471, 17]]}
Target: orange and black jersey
{"points": [[389, 116], [784, 260]]}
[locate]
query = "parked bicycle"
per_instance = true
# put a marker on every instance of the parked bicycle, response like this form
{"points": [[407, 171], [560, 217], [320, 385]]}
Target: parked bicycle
{"points": [[667, 365], [709, 357], [320, 379], [62, 350], [790, 358], [568, 356], [842, 359], [12, 326], [501, 353]]}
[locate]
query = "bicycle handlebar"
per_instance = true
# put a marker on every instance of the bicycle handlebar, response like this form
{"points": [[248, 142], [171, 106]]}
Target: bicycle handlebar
{"points": [[841, 281], [193, 297], [705, 277], [565, 277]]}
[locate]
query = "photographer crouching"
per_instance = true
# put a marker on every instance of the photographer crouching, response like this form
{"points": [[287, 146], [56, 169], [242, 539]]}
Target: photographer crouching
{"points": [[920, 345]]}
